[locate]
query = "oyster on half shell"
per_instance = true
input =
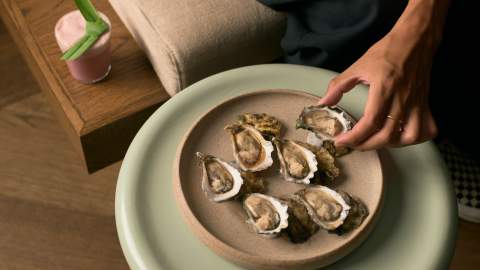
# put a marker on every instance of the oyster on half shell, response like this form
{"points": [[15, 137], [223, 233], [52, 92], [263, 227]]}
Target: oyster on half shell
{"points": [[326, 207], [251, 151], [222, 180], [267, 215], [325, 123], [298, 164], [303, 163]]}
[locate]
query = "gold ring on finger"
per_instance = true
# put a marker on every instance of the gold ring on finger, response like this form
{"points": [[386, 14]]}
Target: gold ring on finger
{"points": [[400, 122], [394, 119]]}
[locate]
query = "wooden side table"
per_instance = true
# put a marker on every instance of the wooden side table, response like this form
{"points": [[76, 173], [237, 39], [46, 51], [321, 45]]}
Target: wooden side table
{"points": [[101, 119]]}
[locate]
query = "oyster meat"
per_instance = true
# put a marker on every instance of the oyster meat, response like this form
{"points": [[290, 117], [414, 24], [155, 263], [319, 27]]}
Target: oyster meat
{"points": [[251, 151], [325, 123], [326, 207], [304, 163], [300, 225], [268, 125], [266, 214], [297, 163], [222, 180]]}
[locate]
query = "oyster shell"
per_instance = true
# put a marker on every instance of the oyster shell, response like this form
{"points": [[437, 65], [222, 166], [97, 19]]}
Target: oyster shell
{"points": [[266, 214], [251, 184], [251, 151], [326, 207], [325, 123], [300, 225], [357, 214], [303, 163], [298, 164], [328, 145], [222, 180], [327, 169], [268, 125]]}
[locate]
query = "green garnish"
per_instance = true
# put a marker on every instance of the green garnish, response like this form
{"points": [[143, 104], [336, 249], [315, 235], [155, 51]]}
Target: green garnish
{"points": [[95, 27]]}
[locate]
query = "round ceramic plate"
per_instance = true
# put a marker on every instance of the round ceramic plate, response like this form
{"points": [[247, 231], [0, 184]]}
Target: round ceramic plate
{"points": [[222, 227], [416, 229]]}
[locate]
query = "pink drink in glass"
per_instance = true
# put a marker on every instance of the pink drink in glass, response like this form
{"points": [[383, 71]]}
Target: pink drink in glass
{"points": [[94, 64]]}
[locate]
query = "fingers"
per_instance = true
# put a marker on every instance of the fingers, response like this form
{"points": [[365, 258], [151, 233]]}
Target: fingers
{"points": [[420, 127], [378, 103], [389, 134], [412, 128], [337, 86], [385, 136], [430, 130]]}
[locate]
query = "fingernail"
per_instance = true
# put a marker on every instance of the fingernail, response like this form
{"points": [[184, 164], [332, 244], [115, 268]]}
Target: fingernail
{"points": [[340, 144]]}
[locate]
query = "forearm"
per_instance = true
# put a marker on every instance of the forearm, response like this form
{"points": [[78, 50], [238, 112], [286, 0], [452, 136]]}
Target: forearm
{"points": [[422, 19]]}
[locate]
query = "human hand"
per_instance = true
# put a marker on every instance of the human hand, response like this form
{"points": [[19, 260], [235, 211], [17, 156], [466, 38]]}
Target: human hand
{"points": [[397, 70]]}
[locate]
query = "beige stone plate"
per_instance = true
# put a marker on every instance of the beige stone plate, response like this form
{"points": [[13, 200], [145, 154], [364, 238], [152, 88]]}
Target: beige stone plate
{"points": [[222, 227]]}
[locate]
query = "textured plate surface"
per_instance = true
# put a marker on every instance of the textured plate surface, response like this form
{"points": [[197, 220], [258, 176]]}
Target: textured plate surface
{"points": [[222, 225], [416, 229]]}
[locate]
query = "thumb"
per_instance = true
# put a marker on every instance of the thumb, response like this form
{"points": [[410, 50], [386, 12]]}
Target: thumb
{"points": [[337, 87]]}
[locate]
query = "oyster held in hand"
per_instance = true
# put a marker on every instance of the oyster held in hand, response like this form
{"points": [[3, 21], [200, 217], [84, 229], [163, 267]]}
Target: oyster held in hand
{"points": [[328, 145], [325, 123], [251, 151]]}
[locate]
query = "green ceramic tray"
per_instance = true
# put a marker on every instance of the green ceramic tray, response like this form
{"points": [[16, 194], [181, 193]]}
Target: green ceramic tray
{"points": [[416, 230]]}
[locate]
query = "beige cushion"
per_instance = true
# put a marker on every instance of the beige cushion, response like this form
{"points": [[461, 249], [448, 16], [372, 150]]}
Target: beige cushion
{"points": [[187, 40]]}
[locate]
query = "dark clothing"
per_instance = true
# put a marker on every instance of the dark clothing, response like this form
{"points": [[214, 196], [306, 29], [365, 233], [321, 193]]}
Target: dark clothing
{"points": [[454, 91], [333, 34]]}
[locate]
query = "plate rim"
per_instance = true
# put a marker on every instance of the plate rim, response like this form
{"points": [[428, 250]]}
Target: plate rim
{"points": [[250, 260]]}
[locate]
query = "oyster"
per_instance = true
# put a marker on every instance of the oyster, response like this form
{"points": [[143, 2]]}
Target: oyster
{"points": [[222, 181], [328, 145], [251, 184], [300, 225], [304, 163], [268, 125], [251, 151], [357, 214], [325, 123], [297, 163], [267, 215], [326, 207], [327, 169]]}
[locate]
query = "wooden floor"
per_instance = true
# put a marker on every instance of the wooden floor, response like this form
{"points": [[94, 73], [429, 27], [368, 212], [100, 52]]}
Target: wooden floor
{"points": [[55, 216]]}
